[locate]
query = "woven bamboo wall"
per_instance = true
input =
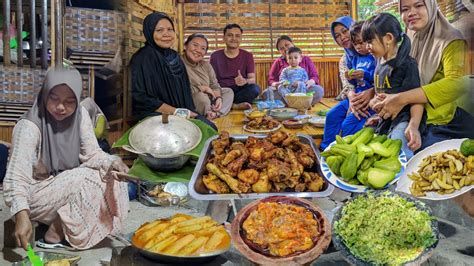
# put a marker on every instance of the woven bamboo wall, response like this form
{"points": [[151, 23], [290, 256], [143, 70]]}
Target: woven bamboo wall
{"points": [[307, 22], [328, 70], [93, 30]]}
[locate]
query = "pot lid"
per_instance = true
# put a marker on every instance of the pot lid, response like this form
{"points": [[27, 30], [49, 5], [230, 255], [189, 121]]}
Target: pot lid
{"points": [[164, 140]]}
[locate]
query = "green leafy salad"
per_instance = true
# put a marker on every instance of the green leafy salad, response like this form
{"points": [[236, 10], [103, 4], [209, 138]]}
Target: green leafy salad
{"points": [[385, 230]]}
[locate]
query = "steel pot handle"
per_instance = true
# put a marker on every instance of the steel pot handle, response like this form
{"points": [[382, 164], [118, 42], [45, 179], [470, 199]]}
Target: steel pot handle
{"points": [[132, 150]]}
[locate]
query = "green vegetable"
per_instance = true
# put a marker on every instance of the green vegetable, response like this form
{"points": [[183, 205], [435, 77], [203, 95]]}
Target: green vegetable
{"points": [[339, 140], [360, 158], [367, 163], [362, 176], [380, 149], [326, 153], [379, 178], [384, 230], [323, 112], [365, 136], [334, 163], [379, 138], [349, 167], [365, 149], [349, 138], [391, 164], [342, 149], [387, 143], [395, 147], [467, 147]]}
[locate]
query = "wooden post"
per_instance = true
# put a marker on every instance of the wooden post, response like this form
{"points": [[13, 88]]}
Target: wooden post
{"points": [[32, 33], [44, 34], [53, 34], [271, 27], [354, 10], [58, 24], [180, 15], [19, 29], [6, 32]]}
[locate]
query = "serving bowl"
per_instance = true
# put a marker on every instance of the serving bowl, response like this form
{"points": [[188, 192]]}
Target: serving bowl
{"points": [[299, 101], [163, 141], [281, 114], [241, 243], [354, 260], [340, 183], [294, 124]]}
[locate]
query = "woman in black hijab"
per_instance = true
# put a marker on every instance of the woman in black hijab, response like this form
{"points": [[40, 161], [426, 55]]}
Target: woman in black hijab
{"points": [[160, 83]]}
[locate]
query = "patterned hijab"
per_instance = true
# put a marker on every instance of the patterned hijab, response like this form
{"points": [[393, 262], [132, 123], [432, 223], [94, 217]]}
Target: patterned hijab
{"points": [[60, 140], [429, 43]]}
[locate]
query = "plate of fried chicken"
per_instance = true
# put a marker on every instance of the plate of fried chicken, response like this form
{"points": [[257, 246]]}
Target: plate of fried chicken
{"points": [[256, 166], [264, 124]]}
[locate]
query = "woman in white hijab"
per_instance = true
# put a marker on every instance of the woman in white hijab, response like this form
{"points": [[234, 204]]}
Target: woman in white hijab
{"points": [[441, 53], [57, 174]]}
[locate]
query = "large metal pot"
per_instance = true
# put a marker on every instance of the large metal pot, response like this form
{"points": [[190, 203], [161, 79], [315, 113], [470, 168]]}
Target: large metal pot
{"points": [[161, 141]]}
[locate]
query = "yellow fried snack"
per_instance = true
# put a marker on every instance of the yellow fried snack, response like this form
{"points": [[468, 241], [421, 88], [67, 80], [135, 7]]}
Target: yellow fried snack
{"points": [[443, 173], [182, 235]]}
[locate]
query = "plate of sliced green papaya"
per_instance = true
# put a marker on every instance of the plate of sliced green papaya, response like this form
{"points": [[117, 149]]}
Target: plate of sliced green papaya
{"points": [[363, 161]]}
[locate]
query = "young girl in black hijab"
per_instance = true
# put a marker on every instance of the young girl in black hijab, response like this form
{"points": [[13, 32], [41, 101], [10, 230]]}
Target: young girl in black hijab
{"points": [[160, 83]]}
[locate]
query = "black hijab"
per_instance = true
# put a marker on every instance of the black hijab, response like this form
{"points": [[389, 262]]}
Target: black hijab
{"points": [[158, 74]]}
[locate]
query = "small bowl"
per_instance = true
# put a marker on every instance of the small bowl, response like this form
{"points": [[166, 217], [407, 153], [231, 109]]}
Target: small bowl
{"points": [[282, 114], [293, 123], [253, 114]]}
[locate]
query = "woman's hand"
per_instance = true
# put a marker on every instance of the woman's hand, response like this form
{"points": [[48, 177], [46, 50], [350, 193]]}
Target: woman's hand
{"points": [[23, 228], [390, 106], [207, 90], [119, 166], [372, 121], [218, 105], [359, 103], [413, 136], [310, 83]]}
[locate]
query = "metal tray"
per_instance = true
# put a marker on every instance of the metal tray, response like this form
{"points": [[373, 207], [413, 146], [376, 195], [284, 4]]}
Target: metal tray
{"points": [[198, 190]]}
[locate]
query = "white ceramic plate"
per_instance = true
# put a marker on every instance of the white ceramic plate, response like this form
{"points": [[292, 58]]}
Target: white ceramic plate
{"points": [[405, 182], [338, 182], [317, 121], [261, 130]]}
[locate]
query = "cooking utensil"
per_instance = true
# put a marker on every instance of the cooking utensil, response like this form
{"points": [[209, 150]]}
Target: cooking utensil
{"points": [[306, 257], [162, 141], [198, 190], [281, 114], [35, 260]]}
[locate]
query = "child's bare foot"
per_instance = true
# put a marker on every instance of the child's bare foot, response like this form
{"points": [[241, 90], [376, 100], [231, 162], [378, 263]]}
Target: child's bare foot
{"points": [[241, 106]]}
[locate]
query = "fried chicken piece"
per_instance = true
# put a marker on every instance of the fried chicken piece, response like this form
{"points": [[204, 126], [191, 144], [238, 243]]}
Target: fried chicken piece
{"points": [[314, 182], [292, 138], [234, 184], [277, 137], [249, 176], [305, 160], [234, 167], [306, 149], [239, 146], [213, 183], [296, 167], [279, 187], [230, 156], [301, 186], [292, 181], [221, 143], [278, 171], [251, 140], [263, 184], [256, 153]]}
